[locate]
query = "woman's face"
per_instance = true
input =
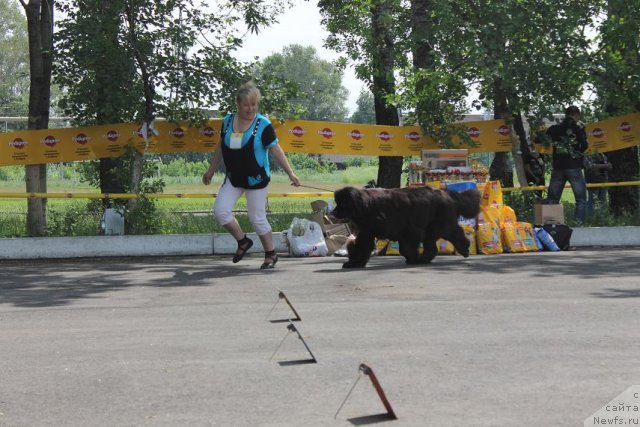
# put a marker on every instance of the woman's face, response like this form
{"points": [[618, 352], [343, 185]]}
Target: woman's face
{"points": [[247, 108]]}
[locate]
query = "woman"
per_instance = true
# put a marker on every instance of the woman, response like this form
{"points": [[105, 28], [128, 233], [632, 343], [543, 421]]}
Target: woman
{"points": [[246, 138]]}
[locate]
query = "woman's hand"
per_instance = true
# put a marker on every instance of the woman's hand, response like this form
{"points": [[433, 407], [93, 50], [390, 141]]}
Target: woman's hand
{"points": [[206, 178], [295, 181]]}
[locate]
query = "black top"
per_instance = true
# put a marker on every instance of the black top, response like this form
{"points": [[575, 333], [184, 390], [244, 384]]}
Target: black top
{"points": [[569, 143]]}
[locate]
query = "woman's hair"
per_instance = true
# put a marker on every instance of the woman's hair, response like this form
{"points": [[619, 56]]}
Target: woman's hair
{"points": [[248, 91]]}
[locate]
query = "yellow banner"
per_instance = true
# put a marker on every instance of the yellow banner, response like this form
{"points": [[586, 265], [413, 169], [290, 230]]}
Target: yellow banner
{"points": [[304, 136], [301, 136], [612, 134], [487, 136], [615, 133]]}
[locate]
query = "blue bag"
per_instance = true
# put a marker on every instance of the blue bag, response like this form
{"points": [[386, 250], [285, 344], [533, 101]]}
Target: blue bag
{"points": [[546, 239]]}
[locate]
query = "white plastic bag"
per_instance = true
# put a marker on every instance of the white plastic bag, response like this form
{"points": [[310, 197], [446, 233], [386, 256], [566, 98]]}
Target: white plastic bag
{"points": [[306, 239]]}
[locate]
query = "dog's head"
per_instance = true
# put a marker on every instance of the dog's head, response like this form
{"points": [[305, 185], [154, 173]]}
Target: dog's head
{"points": [[350, 203]]}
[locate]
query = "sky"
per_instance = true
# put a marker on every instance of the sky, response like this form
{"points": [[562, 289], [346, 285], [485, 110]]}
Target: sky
{"points": [[300, 24]]}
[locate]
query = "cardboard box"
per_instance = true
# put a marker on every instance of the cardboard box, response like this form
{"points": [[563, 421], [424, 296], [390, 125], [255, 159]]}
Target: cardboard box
{"points": [[549, 214]]}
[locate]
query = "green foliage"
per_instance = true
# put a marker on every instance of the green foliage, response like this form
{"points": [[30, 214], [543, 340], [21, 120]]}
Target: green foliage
{"points": [[71, 220], [181, 167], [365, 111], [321, 95], [302, 162], [614, 67], [14, 60], [12, 173]]}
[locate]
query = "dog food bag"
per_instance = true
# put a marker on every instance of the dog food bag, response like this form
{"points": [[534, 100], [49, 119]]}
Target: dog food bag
{"points": [[528, 236], [462, 221], [445, 247], [488, 239], [489, 214], [546, 239], [492, 195], [512, 238], [508, 215], [470, 234], [387, 247]]}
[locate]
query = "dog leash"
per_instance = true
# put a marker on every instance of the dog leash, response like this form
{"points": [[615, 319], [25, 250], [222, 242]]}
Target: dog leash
{"points": [[315, 188]]}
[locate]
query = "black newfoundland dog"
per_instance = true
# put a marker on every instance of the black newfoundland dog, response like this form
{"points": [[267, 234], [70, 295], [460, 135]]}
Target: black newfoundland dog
{"points": [[409, 216]]}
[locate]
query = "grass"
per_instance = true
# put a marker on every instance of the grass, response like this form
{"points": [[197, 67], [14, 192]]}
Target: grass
{"points": [[81, 217]]}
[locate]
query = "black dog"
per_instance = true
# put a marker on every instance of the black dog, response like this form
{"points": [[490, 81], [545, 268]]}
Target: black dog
{"points": [[409, 216]]}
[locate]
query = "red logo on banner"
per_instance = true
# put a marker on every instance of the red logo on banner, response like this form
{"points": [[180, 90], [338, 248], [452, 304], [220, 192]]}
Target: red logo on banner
{"points": [[208, 131], [297, 131], [474, 132], [113, 136], [414, 136], [597, 133], [355, 134], [177, 132], [18, 143], [625, 126], [504, 130], [384, 135], [81, 138], [327, 133], [50, 141]]}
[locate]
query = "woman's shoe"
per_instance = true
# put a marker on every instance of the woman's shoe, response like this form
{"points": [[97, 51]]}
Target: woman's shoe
{"points": [[243, 246], [270, 259]]}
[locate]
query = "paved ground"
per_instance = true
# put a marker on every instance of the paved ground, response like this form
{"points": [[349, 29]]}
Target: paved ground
{"points": [[543, 339]]}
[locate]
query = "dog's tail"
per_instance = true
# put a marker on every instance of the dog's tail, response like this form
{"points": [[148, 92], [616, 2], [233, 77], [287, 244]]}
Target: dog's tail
{"points": [[468, 202]]}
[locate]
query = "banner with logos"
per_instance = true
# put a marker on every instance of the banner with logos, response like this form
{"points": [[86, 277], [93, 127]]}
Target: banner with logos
{"points": [[615, 133], [297, 136]]}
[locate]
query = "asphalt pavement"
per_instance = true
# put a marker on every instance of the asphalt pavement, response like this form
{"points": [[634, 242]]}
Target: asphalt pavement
{"points": [[536, 339]]}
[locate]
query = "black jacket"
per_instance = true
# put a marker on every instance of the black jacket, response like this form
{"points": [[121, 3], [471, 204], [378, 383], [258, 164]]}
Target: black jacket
{"points": [[569, 143]]}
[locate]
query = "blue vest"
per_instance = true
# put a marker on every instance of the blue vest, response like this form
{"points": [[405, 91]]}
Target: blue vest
{"points": [[247, 166]]}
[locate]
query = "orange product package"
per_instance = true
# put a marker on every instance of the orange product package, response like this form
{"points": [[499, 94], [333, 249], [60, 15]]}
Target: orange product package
{"points": [[518, 237], [492, 195], [488, 239], [470, 234], [445, 247], [508, 215]]}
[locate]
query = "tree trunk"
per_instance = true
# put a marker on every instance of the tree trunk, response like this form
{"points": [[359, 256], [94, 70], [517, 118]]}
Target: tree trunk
{"points": [[390, 167], [40, 29], [626, 165], [624, 200], [149, 93], [519, 145], [109, 182], [500, 169], [109, 13]]}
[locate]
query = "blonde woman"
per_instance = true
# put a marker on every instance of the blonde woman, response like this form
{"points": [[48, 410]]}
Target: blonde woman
{"points": [[246, 138]]}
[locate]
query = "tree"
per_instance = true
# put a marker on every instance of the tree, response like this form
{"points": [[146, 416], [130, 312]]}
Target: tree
{"points": [[531, 62], [365, 113], [433, 89], [101, 86], [155, 59], [321, 94], [40, 29], [367, 32], [14, 61], [616, 82]]}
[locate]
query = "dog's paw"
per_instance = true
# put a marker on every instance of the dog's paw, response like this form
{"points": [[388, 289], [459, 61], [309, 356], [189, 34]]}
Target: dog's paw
{"points": [[350, 264], [464, 252]]}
